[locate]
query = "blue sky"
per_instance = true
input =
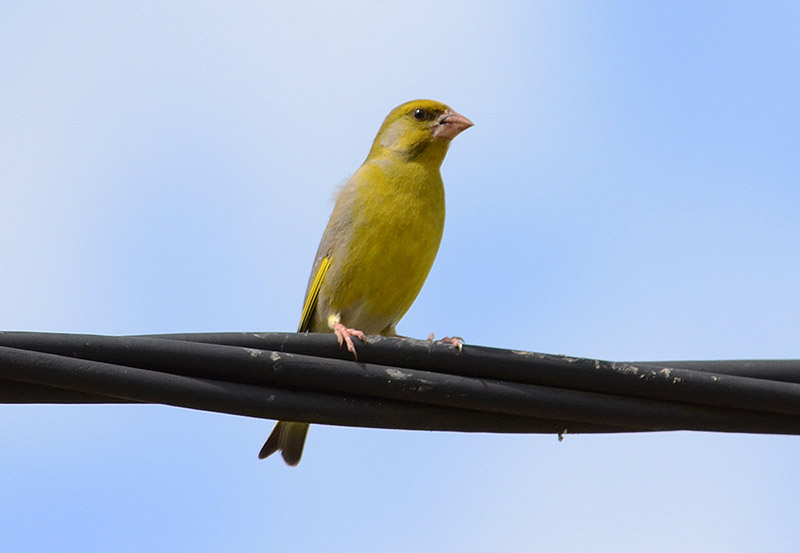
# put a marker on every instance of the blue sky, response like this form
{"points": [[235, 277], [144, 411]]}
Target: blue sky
{"points": [[629, 192]]}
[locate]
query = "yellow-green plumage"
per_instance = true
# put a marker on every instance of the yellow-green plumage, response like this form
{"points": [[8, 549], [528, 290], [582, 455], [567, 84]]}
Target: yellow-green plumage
{"points": [[382, 237]]}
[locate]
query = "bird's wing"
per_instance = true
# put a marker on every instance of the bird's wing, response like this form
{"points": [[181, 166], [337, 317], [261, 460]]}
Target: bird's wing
{"points": [[336, 234], [313, 293]]}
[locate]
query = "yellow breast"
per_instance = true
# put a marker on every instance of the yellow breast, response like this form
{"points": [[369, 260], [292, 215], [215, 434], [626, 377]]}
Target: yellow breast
{"points": [[380, 264]]}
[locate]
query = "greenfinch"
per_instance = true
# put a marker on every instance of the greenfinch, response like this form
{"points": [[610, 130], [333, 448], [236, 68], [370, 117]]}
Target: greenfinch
{"points": [[381, 240]]}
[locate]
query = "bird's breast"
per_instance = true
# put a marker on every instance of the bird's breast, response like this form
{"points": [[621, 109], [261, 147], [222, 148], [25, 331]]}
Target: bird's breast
{"points": [[392, 244]]}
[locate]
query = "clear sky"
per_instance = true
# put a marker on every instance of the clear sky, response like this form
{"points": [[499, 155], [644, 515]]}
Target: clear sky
{"points": [[630, 191]]}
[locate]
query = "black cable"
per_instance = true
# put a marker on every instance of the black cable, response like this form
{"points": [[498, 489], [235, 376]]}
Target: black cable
{"points": [[400, 383]]}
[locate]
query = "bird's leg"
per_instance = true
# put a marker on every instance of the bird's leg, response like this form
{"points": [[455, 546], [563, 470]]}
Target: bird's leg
{"points": [[456, 341], [343, 334]]}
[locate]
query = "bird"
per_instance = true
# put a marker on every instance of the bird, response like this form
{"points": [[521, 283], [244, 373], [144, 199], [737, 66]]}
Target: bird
{"points": [[380, 242]]}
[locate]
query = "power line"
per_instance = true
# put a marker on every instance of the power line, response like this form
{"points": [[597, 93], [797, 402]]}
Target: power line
{"points": [[400, 383]]}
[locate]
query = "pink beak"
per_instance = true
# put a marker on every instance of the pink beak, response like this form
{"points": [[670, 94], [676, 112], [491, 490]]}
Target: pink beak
{"points": [[450, 124]]}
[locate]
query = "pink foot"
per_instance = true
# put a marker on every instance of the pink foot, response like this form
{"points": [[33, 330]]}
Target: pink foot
{"points": [[456, 341], [343, 334]]}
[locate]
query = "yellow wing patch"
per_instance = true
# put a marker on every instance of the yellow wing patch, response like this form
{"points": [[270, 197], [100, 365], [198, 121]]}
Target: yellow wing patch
{"points": [[313, 292]]}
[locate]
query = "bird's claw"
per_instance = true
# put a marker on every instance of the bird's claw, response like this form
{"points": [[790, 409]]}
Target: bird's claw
{"points": [[455, 341], [343, 335]]}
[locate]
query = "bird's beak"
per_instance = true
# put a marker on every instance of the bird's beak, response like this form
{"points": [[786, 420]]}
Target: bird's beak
{"points": [[450, 123]]}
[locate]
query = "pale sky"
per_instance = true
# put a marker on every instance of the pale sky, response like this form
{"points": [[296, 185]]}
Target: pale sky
{"points": [[630, 191]]}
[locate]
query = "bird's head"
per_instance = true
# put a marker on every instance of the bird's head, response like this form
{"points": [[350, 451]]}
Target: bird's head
{"points": [[420, 130]]}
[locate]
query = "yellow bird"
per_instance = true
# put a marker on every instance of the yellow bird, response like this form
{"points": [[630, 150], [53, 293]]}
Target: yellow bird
{"points": [[381, 240]]}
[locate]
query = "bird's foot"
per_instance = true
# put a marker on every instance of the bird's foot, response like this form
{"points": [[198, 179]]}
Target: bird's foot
{"points": [[343, 334], [456, 341]]}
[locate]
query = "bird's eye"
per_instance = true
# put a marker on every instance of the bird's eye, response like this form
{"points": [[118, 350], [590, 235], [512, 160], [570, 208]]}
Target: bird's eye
{"points": [[420, 114]]}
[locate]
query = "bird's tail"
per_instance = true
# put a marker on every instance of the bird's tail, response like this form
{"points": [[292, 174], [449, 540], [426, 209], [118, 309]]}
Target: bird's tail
{"points": [[288, 438]]}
